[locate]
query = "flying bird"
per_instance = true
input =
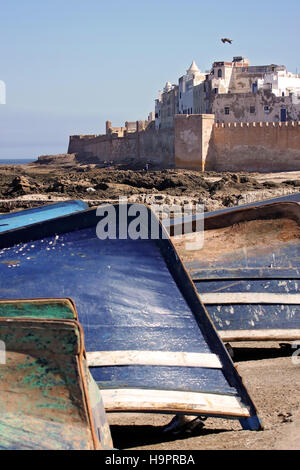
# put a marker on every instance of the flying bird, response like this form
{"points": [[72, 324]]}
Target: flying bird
{"points": [[226, 40]]}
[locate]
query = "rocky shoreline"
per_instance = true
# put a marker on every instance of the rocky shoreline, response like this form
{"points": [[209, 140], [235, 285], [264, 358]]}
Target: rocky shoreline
{"points": [[48, 180]]}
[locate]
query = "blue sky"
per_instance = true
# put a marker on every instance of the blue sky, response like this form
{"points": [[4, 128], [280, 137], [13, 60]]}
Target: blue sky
{"points": [[70, 65]]}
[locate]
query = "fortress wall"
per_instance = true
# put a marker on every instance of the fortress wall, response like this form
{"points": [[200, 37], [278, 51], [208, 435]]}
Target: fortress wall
{"points": [[104, 147], [147, 143], [262, 147], [192, 139], [157, 146], [198, 143]]}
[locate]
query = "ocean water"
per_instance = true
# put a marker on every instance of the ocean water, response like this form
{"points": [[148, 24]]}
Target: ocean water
{"points": [[16, 161]]}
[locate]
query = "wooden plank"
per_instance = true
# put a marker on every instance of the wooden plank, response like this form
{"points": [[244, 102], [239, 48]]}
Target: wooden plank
{"points": [[260, 335], [142, 400], [249, 298], [170, 224], [225, 273], [153, 358], [43, 356], [45, 351], [276, 286], [54, 309]]}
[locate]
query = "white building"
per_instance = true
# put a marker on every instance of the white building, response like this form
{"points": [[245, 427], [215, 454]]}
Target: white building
{"points": [[281, 82], [233, 91], [187, 83], [166, 106]]}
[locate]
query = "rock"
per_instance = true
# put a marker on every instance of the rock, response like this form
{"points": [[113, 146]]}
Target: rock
{"points": [[20, 185], [229, 201], [292, 182], [170, 182], [102, 186], [56, 187], [286, 417], [59, 159]]}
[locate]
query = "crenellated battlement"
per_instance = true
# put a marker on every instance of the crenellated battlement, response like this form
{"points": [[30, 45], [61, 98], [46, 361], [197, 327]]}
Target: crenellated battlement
{"points": [[136, 140], [232, 125], [255, 146], [85, 137], [198, 142], [236, 146]]}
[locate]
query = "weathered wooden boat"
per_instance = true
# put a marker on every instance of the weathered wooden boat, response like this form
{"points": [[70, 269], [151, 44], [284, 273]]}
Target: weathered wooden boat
{"points": [[48, 399], [247, 273], [151, 346], [170, 224], [22, 218]]}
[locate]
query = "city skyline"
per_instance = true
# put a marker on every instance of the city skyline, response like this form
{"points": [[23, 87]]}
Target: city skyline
{"points": [[70, 67]]}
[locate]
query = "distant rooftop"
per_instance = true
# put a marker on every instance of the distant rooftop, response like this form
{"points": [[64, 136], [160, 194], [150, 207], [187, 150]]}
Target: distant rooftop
{"points": [[193, 68]]}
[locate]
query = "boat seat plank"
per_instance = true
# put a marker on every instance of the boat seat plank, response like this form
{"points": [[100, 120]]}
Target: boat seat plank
{"points": [[276, 286], [287, 334], [221, 273], [213, 298], [172, 401], [153, 358]]}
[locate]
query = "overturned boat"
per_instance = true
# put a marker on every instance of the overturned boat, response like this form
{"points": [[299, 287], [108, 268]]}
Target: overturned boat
{"points": [[247, 272], [151, 345], [48, 397]]}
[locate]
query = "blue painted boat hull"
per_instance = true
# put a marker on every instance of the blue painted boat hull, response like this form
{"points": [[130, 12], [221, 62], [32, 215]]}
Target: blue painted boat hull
{"points": [[130, 295], [26, 217], [248, 271]]}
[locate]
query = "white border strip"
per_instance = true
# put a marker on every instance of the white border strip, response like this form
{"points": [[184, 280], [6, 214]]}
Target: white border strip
{"points": [[140, 400], [153, 358], [249, 298], [260, 335]]}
